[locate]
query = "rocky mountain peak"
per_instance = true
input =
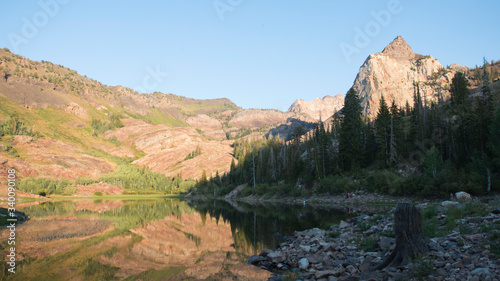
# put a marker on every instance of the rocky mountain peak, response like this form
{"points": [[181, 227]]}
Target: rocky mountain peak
{"points": [[320, 108], [399, 49], [393, 73]]}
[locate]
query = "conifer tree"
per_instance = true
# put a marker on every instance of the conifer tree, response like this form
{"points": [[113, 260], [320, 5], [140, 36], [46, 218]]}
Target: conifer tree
{"points": [[383, 131], [351, 142]]}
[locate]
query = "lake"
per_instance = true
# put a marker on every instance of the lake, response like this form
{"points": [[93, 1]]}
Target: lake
{"points": [[157, 239]]}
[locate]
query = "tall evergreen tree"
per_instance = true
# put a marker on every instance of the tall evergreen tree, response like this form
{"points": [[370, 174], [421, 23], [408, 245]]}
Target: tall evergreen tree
{"points": [[383, 131], [461, 109], [459, 90], [350, 137]]}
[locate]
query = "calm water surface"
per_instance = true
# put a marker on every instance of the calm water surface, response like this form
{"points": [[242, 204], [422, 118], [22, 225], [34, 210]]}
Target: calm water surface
{"points": [[163, 239]]}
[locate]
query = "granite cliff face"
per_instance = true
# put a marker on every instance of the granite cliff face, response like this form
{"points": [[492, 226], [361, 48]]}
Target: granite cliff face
{"points": [[318, 109], [394, 74]]}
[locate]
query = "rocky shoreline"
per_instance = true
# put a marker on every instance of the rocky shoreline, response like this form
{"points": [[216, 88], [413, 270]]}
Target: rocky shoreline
{"points": [[466, 247]]}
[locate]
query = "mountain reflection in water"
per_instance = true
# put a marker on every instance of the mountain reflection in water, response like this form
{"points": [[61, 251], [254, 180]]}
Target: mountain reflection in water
{"points": [[163, 239]]}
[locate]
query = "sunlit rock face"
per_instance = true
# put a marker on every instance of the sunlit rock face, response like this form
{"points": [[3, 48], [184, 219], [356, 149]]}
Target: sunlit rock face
{"points": [[319, 109], [178, 241], [393, 74], [204, 246]]}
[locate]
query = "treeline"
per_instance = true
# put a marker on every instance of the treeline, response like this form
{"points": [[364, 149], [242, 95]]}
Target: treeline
{"points": [[130, 177], [428, 149], [45, 186], [141, 178]]}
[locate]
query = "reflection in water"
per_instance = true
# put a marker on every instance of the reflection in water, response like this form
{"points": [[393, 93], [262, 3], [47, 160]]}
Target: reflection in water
{"points": [[154, 239], [259, 227]]}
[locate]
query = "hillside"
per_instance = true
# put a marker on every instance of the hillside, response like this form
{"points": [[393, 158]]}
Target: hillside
{"points": [[60, 125]]}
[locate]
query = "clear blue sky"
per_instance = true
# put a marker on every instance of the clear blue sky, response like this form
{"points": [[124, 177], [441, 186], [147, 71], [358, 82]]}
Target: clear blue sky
{"points": [[260, 54]]}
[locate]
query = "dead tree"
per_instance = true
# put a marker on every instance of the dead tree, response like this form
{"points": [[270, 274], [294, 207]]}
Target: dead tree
{"points": [[410, 239]]}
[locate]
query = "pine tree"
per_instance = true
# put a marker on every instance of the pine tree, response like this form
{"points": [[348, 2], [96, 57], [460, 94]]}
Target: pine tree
{"points": [[203, 179], [351, 142], [461, 109], [459, 90], [383, 131]]}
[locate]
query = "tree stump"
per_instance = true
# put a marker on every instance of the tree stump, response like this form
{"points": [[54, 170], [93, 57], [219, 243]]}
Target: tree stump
{"points": [[410, 238]]}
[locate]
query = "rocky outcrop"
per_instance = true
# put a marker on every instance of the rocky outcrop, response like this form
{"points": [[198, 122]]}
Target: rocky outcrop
{"points": [[318, 109], [394, 72], [77, 110]]}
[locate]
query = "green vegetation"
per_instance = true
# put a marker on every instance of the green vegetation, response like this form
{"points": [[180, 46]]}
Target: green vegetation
{"points": [[137, 178], [96, 270], [157, 117], [368, 244], [14, 126], [193, 154], [101, 126], [422, 267], [45, 186], [334, 234]]}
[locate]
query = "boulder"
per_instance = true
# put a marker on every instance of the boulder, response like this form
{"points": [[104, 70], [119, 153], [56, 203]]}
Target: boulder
{"points": [[463, 196]]}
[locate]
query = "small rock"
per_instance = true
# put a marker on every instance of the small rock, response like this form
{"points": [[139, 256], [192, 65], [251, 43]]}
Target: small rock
{"points": [[303, 264], [255, 259], [385, 243], [448, 203], [276, 257], [351, 269], [481, 271], [327, 273], [343, 224], [307, 249], [265, 252], [353, 260], [314, 259]]}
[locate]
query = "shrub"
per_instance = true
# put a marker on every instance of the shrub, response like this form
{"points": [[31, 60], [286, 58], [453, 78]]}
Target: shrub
{"points": [[368, 244], [335, 185], [97, 193], [385, 181]]}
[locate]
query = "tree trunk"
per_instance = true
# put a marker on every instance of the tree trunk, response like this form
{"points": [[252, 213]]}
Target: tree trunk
{"points": [[410, 239], [488, 172]]}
